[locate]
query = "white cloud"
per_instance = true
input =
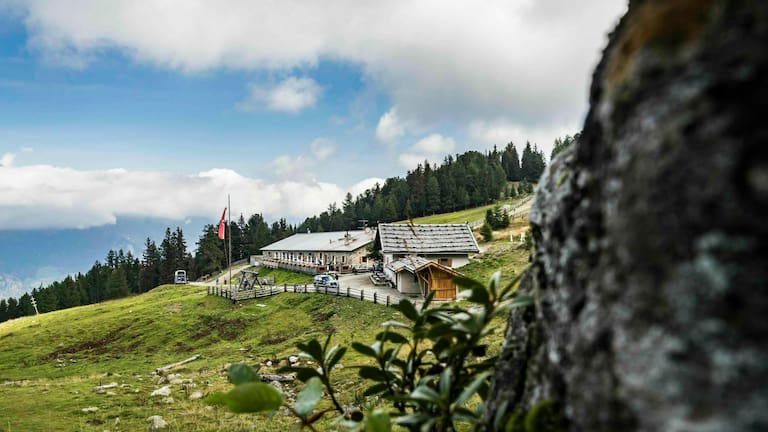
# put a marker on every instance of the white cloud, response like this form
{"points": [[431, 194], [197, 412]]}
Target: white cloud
{"points": [[44, 196], [499, 133], [389, 128], [435, 144], [6, 160], [291, 95], [302, 166], [322, 148], [528, 60], [432, 148]]}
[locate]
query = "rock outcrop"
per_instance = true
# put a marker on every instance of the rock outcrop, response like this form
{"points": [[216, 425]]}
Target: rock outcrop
{"points": [[651, 237]]}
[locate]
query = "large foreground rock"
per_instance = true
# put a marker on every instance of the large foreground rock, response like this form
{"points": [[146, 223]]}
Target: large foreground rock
{"points": [[651, 261]]}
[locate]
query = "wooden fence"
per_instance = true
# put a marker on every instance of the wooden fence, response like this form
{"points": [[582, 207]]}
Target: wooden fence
{"points": [[239, 295]]}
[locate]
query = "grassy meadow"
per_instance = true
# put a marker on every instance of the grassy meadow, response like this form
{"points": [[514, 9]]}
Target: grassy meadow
{"points": [[50, 364]]}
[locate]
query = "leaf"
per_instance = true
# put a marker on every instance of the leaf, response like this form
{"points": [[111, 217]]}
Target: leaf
{"points": [[306, 374], [424, 393], [414, 419], [378, 421], [364, 349], [253, 397], [336, 357], [470, 390], [372, 373], [241, 373], [217, 399], [444, 383], [407, 308], [392, 337], [313, 349], [375, 389], [395, 324], [307, 400]]}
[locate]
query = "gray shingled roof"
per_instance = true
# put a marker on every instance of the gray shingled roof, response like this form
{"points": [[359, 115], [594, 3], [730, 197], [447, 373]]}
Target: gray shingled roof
{"points": [[414, 263], [333, 241], [427, 239]]}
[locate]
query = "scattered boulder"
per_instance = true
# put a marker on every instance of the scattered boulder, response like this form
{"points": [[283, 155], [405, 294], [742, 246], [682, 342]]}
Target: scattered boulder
{"points": [[196, 395], [89, 409], [156, 422], [277, 385], [283, 363], [163, 391], [103, 388], [293, 359]]}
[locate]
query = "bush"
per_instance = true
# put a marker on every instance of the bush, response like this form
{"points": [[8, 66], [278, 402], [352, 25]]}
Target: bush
{"points": [[427, 368]]}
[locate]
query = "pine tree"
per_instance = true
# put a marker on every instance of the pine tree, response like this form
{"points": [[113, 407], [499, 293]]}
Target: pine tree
{"points": [[3, 310], [511, 163], [432, 195]]}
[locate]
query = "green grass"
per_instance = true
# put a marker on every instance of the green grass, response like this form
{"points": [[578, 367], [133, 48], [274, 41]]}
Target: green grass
{"points": [[461, 216], [125, 340], [503, 256], [49, 364]]}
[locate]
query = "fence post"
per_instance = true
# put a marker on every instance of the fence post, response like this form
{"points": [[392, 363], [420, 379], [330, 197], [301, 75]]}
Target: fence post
{"points": [[361, 294], [285, 288], [270, 291], [347, 291], [374, 297], [294, 289], [305, 288], [326, 290], [387, 300]]}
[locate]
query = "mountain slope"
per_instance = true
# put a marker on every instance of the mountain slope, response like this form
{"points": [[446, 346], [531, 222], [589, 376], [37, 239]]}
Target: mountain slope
{"points": [[49, 364]]}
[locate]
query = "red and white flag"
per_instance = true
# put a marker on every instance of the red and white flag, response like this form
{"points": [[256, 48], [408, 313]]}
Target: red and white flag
{"points": [[221, 224]]}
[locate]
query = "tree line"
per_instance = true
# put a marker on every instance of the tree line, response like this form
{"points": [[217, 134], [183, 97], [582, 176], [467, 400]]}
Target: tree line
{"points": [[459, 182]]}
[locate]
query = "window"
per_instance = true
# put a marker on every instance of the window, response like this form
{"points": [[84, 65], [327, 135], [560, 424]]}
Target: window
{"points": [[445, 261]]}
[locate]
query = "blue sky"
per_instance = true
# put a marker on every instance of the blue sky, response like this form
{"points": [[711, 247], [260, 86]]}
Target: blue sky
{"points": [[124, 110]]}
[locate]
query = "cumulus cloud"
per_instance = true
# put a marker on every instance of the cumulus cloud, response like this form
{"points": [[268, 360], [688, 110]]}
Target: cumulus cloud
{"points": [[499, 133], [529, 60], [431, 148], [302, 165], [322, 148], [291, 95], [44, 196], [390, 128], [7, 159]]}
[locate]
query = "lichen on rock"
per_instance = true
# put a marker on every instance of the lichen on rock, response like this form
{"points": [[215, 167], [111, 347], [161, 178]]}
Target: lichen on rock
{"points": [[651, 237]]}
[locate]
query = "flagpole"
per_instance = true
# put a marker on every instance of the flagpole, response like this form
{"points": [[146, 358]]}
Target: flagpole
{"points": [[229, 228]]}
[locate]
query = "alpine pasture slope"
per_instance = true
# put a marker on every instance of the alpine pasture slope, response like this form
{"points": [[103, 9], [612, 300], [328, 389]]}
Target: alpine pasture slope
{"points": [[51, 363]]}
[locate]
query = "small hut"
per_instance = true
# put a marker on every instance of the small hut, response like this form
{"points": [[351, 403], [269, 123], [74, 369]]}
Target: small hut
{"points": [[418, 275]]}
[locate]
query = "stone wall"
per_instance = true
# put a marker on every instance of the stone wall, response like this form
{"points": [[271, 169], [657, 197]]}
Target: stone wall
{"points": [[651, 237]]}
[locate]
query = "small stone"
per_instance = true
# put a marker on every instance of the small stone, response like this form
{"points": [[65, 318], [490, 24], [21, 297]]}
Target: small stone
{"points": [[269, 363], [89, 409], [163, 391], [283, 363], [168, 400], [176, 381], [196, 395], [156, 422], [277, 385], [293, 359]]}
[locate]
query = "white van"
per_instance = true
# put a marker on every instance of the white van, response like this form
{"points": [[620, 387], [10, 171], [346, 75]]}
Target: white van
{"points": [[180, 277]]}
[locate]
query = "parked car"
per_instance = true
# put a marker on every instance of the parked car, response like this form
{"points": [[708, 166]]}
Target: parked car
{"points": [[362, 269], [322, 280]]}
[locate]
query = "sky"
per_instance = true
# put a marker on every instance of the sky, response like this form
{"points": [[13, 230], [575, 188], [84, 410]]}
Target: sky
{"points": [[120, 109]]}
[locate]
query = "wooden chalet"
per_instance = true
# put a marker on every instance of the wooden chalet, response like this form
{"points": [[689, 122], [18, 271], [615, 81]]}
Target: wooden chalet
{"points": [[418, 275]]}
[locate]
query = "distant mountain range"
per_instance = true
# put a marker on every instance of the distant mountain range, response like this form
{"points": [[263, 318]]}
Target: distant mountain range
{"points": [[31, 257]]}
